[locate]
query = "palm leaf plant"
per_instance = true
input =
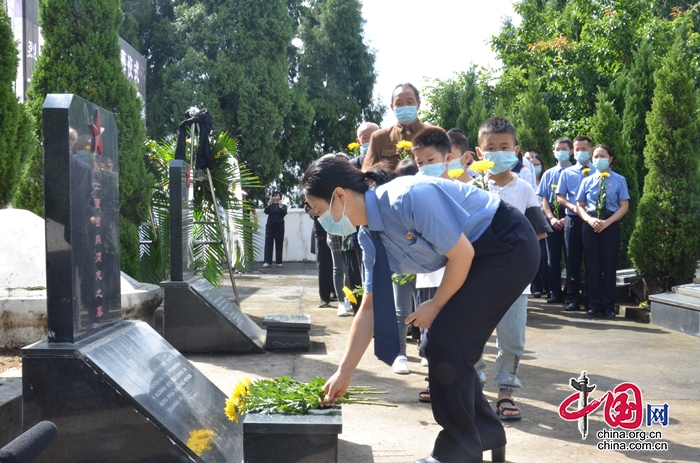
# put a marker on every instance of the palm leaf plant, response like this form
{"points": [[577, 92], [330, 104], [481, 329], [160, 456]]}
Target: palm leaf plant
{"points": [[228, 179]]}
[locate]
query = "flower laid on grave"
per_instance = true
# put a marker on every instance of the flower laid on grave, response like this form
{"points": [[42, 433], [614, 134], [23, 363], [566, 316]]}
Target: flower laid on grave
{"points": [[354, 149], [287, 396], [455, 173], [404, 147], [602, 194], [200, 441], [482, 167]]}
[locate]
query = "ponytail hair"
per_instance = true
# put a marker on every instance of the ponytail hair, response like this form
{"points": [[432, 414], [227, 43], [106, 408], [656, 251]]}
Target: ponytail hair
{"points": [[326, 174]]}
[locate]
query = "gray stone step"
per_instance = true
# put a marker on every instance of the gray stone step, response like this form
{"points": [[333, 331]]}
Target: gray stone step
{"points": [[677, 300], [692, 290]]}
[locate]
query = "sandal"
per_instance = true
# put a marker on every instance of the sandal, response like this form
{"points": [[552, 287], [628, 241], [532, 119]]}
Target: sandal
{"points": [[507, 403], [424, 396]]}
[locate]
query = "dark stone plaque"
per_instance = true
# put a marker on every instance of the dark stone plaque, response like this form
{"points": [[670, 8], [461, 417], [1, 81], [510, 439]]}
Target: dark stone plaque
{"points": [[125, 395], [199, 318], [181, 254], [292, 439], [289, 332], [81, 189]]}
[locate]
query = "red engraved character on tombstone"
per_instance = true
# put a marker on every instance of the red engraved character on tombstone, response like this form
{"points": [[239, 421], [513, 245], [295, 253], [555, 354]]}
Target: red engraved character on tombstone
{"points": [[97, 203], [98, 239], [621, 409], [98, 257], [99, 311]]}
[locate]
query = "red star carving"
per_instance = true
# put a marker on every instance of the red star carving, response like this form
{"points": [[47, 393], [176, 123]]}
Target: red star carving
{"points": [[97, 130]]}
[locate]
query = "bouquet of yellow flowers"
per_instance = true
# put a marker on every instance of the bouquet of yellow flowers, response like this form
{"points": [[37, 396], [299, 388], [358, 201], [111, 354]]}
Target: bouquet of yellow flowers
{"points": [[404, 147], [482, 170], [602, 194], [455, 173], [288, 396], [555, 204]]}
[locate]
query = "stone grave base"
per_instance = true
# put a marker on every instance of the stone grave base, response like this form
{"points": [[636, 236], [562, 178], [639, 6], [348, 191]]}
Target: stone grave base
{"points": [[678, 310], [197, 317], [292, 439], [125, 395]]}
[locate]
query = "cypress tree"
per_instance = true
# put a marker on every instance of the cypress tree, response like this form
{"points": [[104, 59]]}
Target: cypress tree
{"points": [[533, 122], [638, 93], [17, 138], [606, 127], [80, 55], [665, 244]]}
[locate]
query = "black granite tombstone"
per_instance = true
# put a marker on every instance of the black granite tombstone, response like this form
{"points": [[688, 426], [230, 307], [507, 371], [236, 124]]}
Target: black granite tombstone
{"points": [[115, 389], [287, 332], [197, 317]]}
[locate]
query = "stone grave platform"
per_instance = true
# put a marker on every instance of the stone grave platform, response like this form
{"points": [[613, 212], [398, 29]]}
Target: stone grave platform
{"points": [[678, 310]]}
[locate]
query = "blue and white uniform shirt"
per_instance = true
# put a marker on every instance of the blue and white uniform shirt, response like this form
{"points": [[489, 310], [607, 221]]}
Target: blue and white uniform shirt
{"points": [[419, 219], [549, 178], [615, 191], [570, 181]]}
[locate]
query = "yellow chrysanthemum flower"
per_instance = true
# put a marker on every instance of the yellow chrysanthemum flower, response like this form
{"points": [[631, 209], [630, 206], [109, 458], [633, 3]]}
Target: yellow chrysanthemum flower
{"points": [[482, 166], [605, 174], [554, 187], [354, 146], [349, 295], [247, 381], [455, 173], [404, 145], [200, 441], [585, 171], [230, 410]]}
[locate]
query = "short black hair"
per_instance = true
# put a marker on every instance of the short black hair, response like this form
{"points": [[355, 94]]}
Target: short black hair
{"points": [[407, 167], [277, 193], [458, 139], [435, 137], [498, 124], [584, 138], [566, 140], [409, 85]]}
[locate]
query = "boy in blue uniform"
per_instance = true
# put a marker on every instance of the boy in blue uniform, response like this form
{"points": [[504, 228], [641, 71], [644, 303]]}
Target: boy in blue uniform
{"points": [[569, 183], [547, 190], [603, 199]]}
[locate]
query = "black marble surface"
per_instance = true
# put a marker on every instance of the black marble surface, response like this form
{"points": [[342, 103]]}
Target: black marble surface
{"points": [[292, 439], [291, 322], [81, 188], [199, 318], [125, 395], [181, 245]]}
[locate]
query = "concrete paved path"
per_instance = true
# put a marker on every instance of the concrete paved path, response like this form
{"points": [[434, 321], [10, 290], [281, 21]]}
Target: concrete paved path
{"points": [[664, 364]]}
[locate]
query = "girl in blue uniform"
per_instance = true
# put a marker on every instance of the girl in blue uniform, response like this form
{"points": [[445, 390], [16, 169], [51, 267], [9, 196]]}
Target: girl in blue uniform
{"points": [[602, 201], [417, 225]]}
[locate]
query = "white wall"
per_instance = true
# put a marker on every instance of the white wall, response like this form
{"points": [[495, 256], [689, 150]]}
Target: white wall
{"points": [[297, 236]]}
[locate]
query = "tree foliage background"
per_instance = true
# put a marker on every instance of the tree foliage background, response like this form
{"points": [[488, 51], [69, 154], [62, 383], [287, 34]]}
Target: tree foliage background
{"points": [[593, 63], [289, 79]]}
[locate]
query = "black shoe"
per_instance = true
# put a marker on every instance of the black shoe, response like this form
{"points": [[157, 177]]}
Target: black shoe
{"points": [[610, 314], [555, 300], [499, 454], [333, 297], [324, 304], [592, 313], [572, 307]]}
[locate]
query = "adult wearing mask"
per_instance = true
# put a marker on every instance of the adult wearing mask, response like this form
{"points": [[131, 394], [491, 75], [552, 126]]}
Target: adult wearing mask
{"points": [[405, 102], [364, 133]]}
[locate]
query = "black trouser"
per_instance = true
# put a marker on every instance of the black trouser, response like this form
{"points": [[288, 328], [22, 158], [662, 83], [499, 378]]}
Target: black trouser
{"points": [[506, 259], [556, 248], [541, 282], [601, 265], [324, 265], [573, 235], [274, 233]]}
